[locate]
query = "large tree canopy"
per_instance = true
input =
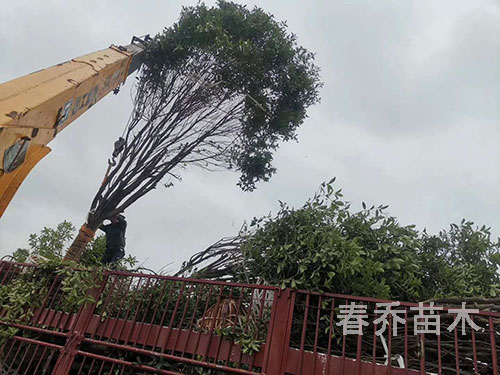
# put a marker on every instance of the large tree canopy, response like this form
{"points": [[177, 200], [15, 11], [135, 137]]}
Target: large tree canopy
{"points": [[253, 58], [325, 246]]}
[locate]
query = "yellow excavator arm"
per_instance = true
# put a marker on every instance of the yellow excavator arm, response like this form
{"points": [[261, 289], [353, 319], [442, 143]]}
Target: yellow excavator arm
{"points": [[36, 107]]}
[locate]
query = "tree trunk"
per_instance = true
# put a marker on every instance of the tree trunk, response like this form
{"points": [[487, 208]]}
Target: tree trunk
{"points": [[75, 251]]}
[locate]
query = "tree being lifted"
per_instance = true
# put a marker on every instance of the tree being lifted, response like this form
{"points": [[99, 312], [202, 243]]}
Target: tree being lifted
{"points": [[221, 88]]}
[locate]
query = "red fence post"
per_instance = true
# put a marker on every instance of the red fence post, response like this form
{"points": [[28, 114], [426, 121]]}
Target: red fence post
{"points": [[494, 361], [77, 332], [280, 334]]}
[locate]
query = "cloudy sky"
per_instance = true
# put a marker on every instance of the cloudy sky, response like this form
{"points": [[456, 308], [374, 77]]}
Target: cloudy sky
{"points": [[410, 117]]}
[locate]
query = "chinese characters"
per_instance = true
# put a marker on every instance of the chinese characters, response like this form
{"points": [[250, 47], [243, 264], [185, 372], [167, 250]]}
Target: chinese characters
{"points": [[427, 320]]}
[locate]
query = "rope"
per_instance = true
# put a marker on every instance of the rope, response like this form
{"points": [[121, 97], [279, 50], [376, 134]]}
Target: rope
{"points": [[111, 162], [119, 146], [85, 235]]}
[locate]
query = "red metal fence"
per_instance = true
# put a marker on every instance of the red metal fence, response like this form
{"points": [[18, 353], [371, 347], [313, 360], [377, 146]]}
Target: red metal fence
{"points": [[145, 324]]}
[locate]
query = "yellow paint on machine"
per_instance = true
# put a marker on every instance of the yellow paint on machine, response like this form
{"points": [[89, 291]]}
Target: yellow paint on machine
{"points": [[36, 107]]}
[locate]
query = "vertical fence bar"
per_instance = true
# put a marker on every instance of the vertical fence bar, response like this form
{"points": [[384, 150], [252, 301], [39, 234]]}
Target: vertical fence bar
{"points": [[330, 337], [111, 289], [439, 353], [214, 321], [184, 311], [389, 346], [406, 340], [47, 363], [33, 356], [493, 346], [25, 353], [137, 310], [457, 354], [198, 291], [37, 316], [231, 343], [172, 318], [374, 349], [157, 306], [422, 353], [343, 352], [158, 335], [303, 337], [358, 349], [261, 311], [474, 349], [78, 330], [15, 356], [316, 334], [132, 304], [143, 320], [281, 330], [122, 301], [40, 360], [207, 303]]}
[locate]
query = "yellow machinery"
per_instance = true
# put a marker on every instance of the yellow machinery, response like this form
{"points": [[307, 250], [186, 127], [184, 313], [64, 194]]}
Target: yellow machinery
{"points": [[36, 107]]}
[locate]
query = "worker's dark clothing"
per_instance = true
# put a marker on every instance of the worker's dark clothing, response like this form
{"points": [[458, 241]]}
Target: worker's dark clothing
{"points": [[112, 256], [115, 240]]}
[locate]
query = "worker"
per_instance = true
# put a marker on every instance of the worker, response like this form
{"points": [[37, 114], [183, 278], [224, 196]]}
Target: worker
{"points": [[115, 239]]}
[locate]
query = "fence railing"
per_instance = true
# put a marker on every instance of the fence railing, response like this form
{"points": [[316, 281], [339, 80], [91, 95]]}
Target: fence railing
{"points": [[144, 324], [409, 343]]}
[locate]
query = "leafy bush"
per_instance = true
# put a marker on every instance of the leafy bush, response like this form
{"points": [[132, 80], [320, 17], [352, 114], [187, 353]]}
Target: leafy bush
{"points": [[29, 290], [461, 262], [325, 246], [50, 243]]}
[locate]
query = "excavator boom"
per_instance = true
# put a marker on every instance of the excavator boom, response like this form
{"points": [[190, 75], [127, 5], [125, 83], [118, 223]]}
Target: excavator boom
{"points": [[36, 107]]}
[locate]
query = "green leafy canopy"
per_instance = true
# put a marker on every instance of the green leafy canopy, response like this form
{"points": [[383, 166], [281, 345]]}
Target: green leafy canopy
{"points": [[50, 243], [326, 246], [254, 56]]}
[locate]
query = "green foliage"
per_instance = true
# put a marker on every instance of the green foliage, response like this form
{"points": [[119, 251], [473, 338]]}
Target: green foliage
{"points": [[28, 291], [76, 285], [249, 332], [463, 261], [50, 243], [20, 255], [94, 251], [325, 246], [254, 57]]}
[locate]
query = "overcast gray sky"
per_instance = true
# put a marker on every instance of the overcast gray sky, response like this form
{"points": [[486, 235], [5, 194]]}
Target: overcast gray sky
{"points": [[410, 117]]}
